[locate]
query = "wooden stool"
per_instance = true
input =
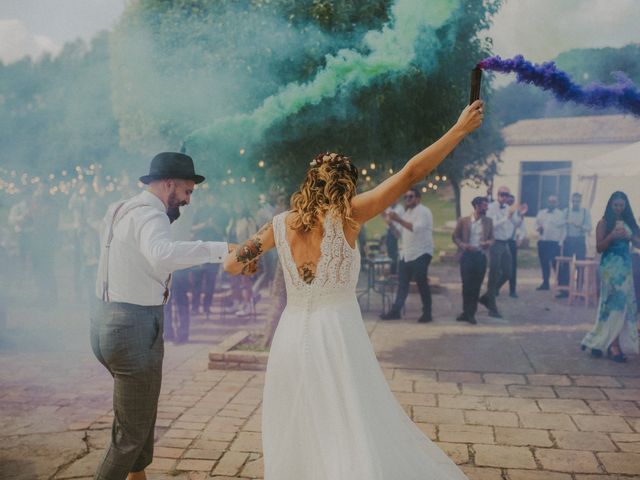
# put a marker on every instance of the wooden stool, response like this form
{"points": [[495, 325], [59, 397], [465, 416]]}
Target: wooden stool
{"points": [[559, 262], [583, 281]]}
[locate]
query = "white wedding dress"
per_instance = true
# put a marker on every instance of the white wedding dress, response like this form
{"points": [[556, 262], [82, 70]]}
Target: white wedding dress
{"points": [[328, 413]]}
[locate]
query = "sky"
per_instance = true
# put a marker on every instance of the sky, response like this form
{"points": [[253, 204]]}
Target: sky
{"points": [[538, 29]]}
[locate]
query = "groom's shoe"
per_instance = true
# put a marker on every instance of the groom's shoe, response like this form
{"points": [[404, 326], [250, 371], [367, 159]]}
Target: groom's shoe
{"points": [[390, 315]]}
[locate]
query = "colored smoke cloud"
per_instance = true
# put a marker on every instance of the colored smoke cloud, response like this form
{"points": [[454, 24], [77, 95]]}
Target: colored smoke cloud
{"points": [[389, 50], [623, 94]]}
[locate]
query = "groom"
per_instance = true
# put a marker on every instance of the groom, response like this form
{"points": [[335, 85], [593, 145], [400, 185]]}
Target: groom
{"points": [[134, 274]]}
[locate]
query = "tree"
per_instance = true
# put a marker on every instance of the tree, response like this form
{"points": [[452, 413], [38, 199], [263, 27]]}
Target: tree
{"points": [[56, 113], [169, 55]]}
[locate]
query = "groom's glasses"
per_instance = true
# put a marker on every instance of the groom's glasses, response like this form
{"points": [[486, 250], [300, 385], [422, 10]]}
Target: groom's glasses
{"points": [[409, 197]]}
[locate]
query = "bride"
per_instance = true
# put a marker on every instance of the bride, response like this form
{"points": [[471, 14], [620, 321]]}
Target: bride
{"points": [[328, 413]]}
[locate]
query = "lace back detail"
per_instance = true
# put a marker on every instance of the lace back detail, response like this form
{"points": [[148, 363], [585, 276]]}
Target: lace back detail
{"points": [[338, 266]]}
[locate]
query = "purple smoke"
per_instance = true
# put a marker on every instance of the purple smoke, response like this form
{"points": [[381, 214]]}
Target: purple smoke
{"points": [[622, 94]]}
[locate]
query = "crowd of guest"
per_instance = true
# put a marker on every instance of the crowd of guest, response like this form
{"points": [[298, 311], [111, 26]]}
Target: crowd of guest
{"points": [[487, 240]]}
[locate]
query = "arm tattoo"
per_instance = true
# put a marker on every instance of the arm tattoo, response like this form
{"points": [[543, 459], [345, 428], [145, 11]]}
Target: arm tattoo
{"points": [[249, 250], [307, 272]]}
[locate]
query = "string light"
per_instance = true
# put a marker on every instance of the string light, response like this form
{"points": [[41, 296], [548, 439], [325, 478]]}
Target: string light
{"points": [[368, 178], [261, 164], [242, 150], [372, 166], [364, 171], [391, 171], [444, 178]]}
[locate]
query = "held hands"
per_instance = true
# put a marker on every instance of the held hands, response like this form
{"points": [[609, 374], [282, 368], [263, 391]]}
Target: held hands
{"points": [[619, 233], [471, 117]]}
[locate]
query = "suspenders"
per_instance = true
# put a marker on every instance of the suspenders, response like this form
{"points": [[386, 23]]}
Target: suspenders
{"points": [[105, 278]]}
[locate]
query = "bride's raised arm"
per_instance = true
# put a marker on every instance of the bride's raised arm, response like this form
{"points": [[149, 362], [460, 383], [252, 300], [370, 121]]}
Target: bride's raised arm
{"points": [[244, 258], [373, 202]]}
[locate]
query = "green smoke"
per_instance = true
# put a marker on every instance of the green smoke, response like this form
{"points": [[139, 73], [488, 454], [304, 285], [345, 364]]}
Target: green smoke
{"points": [[390, 50]]}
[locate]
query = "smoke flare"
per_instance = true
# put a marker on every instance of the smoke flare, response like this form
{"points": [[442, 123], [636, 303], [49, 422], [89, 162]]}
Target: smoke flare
{"points": [[623, 94], [389, 50]]}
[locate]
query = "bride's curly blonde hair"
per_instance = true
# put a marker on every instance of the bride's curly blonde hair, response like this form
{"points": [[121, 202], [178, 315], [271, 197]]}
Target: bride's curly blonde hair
{"points": [[328, 188]]}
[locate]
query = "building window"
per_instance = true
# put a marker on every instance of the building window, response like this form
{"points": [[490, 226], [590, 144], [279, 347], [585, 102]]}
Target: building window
{"points": [[538, 180]]}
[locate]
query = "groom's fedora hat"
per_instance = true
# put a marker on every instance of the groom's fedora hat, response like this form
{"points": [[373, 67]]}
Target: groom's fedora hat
{"points": [[171, 165]]}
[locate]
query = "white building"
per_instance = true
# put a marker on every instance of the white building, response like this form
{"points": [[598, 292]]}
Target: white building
{"points": [[559, 156]]}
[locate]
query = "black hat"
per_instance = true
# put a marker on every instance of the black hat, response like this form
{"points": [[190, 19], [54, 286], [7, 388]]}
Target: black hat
{"points": [[171, 165]]}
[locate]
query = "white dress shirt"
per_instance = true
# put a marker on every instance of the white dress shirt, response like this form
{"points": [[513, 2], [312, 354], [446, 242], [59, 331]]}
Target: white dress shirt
{"points": [[503, 225], [419, 241], [142, 253], [476, 231], [580, 217], [553, 224]]}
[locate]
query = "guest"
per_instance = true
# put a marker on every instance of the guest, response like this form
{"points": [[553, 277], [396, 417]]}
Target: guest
{"points": [[242, 227], [210, 220], [578, 221], [615, 330], [550, 224], [416, 225], [176, 310], [268, 264], [392, 236], [473, 236], [519, 234], [504, 224]]}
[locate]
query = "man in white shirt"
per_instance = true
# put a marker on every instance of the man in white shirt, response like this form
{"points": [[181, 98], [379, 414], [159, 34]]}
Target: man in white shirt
{"points": [[500, 263], [416, 224], [519, 234], [551, 225], [137, 258], [575, 243]]}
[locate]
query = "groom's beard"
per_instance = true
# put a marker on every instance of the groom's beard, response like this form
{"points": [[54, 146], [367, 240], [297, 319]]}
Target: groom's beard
{"points": [[173, 210], [173, 213]]}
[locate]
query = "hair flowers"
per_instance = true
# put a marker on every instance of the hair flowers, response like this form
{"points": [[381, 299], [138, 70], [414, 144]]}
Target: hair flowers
{"points": [[328, 158]]}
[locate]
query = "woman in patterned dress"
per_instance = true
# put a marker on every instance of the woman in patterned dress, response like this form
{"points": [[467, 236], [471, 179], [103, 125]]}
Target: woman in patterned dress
{"points": [[615, 330]]}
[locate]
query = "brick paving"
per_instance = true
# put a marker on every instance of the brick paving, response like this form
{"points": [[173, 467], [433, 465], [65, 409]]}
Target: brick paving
{"points": [[511, 399]]}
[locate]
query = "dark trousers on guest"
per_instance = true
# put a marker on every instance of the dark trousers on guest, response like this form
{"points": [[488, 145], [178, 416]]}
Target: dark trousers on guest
{"points": [[414, 270], [571, 246], [500, 266], [473, 266], [127, 340], [513, 250], [179, 305], [392, 251], [204, 281], [548, 250]]}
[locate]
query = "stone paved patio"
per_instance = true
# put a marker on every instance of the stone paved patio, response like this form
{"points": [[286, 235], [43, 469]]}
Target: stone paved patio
{"points": [[511, 399]]}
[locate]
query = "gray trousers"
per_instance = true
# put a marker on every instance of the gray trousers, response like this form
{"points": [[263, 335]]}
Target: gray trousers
{"points": [[127, 340], [499, 269]]}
